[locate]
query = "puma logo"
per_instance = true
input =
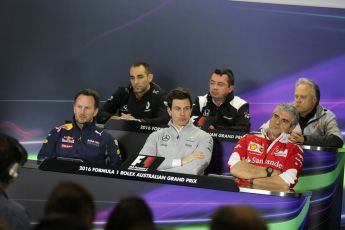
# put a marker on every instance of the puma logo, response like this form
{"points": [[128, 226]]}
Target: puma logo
{"points": [[99, 133]]}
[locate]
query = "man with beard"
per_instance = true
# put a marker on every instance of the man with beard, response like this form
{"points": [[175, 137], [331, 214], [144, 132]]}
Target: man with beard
{"points": [[81, 139], [141, 101], [269, 160], [186, 148]]}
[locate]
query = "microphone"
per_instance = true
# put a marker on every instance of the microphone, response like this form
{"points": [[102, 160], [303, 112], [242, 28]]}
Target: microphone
{"points": [[209, 121]]}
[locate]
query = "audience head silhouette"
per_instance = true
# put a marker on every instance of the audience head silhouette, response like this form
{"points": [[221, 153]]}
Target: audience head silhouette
{"points": [[69, 206], [131, 213], [237, 218]]}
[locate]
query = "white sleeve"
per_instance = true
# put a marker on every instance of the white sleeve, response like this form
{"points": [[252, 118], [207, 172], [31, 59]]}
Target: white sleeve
{"points": [[289, 176], [234, 158]]}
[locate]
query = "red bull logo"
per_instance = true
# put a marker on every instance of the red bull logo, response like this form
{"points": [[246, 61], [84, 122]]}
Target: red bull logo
{"points": [[67, 126], [67, 139]]}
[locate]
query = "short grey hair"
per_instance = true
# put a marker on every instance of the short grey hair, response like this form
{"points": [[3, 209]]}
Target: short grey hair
{"points": [[316, 89], [306, 81], [291, 109]]}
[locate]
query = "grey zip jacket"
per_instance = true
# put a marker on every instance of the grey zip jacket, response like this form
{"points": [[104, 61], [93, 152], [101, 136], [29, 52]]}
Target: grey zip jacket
{"points": [[175, 145]]}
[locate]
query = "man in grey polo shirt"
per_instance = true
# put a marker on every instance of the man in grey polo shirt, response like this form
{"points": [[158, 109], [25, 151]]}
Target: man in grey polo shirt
{"points": [[186, 148]]}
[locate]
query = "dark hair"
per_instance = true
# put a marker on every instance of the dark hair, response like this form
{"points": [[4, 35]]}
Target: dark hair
{"points": [[12, 153], [60, 222], [179, 93], [71, 199], [227, 72], [237, 218], [3, 224], [88, 92], [145, 65], [130, 213]]}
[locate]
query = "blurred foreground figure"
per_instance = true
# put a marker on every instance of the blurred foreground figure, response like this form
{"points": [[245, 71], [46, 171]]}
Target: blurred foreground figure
{"points": [[12, 157]]}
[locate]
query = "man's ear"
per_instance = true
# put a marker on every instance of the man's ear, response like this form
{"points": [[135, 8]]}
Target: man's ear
{"points": [[292, 128], [95, 113], [150, 76], [232, 87], [314, 100], [169, 111]]}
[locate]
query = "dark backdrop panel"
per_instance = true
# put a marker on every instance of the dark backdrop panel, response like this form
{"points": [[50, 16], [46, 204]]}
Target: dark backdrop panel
{"points": [[51, 49]]}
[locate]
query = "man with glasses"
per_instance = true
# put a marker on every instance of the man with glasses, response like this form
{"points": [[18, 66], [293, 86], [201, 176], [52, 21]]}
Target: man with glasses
{"points": [[142, 100], [220, 108], [186, 148], [269, 160]]}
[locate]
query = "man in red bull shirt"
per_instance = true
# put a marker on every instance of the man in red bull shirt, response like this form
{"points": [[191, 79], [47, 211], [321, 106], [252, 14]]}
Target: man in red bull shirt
{"points": [[269, 160], [82, 139]]}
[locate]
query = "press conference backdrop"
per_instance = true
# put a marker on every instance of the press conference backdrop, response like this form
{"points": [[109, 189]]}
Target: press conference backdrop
{"points": [[51, 49]]}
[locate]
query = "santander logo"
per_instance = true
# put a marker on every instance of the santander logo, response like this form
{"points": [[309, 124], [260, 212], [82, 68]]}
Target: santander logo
{"points": [[275, 164]]}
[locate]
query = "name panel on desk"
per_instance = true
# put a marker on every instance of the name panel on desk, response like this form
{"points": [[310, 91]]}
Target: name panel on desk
{"points": [[135, 126], [225, 184]]}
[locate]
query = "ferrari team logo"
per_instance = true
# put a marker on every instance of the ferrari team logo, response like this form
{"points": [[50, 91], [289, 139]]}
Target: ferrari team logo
{"points": [[256, 148]]}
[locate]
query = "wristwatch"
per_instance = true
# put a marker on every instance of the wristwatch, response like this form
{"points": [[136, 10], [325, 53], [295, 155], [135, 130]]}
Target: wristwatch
{"points": [[269, 171]]}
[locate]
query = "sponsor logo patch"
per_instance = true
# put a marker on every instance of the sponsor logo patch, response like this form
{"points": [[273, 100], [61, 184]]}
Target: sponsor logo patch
{"points": [[281, 153], [246, 115], [67, 126], [67, 139], [147, 105], [66, 146], [228, 118], [124, 110], [99, 133], [165, 138], [92, 142], [255, 148]]}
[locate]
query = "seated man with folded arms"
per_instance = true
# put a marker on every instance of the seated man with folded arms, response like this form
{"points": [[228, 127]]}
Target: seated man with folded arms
{"points": [[141, 101], [81, 138], [269, 160], [220, 108], [186, 148]]}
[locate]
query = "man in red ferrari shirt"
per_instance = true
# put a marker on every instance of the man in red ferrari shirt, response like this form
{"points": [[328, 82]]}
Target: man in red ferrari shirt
{"points": [[269, 160]]}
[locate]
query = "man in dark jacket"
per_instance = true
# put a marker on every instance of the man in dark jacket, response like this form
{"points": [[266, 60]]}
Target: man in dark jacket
{"points": [[220, 108], [81, 138], [12, 156], [142, 100]]}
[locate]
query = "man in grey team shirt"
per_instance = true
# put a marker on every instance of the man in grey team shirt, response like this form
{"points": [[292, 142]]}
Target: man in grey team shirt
{"points": [[186, 148]]}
